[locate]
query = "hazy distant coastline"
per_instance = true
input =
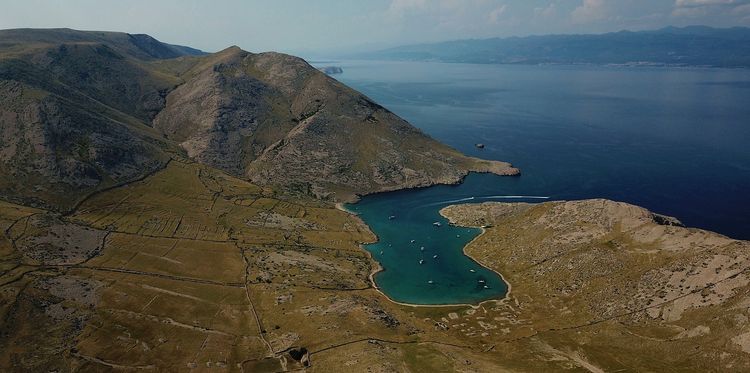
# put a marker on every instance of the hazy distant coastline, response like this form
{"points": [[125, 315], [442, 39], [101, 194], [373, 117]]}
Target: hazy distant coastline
{"points": [[693, 46]]}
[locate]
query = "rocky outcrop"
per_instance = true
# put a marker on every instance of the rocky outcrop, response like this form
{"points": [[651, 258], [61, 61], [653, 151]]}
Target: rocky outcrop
{"points": [[332, 70], [50, 241]]}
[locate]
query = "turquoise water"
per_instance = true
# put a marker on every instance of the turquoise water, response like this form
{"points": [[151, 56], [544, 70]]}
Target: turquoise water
{"points": [[672, 140], [424, 263]]}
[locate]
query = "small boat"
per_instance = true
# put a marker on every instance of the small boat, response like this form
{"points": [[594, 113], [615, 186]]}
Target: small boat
{"points": [[391, 217], [413, 241], [381, 252], [434, 256], [458, 235], [430, 282], [481, 281], [421, 261], [472, 271], [437, 224], [479, 145], [486, 287]]}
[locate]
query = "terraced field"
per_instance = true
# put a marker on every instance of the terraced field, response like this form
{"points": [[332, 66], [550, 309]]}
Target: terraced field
{"points": [[193, 269], [190, 269]]}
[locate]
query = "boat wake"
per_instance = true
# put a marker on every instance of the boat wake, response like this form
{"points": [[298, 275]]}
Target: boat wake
{"points": [[482, 197], [449, 201], [513, 197]]}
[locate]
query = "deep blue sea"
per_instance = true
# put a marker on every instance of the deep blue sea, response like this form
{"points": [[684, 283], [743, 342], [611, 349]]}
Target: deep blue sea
{"points": [[674, 140]]}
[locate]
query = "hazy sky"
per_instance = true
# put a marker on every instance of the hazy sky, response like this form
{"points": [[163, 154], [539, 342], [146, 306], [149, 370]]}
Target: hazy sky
{"points": [[302, 26]]}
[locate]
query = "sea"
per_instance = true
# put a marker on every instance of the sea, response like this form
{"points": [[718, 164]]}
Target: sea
{"points": [[673, 140]]}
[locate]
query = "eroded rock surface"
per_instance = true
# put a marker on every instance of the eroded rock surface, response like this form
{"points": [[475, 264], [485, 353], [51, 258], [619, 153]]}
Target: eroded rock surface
{"points": [[46, 239]]}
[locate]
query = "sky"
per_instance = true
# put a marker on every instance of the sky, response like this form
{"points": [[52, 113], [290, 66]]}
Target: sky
{"points": [[316, 27]]}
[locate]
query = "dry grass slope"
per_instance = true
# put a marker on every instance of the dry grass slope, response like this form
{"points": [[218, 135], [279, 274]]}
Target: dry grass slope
{"points": [[191, 269]]}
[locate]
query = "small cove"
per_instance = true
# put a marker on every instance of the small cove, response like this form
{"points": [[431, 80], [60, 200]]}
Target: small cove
{"points": [[671, 140], [423, 261]]}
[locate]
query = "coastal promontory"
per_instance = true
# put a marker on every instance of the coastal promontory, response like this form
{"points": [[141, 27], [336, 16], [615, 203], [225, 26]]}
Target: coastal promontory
{"points": [[612, 286]]}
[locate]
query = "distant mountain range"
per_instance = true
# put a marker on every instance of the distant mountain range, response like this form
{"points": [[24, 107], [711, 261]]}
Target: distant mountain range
{"points": [[672, 46]]}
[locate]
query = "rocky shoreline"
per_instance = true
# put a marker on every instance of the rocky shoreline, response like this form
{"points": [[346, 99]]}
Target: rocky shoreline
{"points": [[481, 166], [599, 280]]}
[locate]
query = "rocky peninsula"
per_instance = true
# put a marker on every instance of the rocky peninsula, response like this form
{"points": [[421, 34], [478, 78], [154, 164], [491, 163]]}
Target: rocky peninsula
{"points": [[611, 286]]}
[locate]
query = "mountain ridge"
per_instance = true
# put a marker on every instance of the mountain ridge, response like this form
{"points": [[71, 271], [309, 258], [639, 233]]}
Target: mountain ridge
{"points": [[671, 46], [137, 44], [270, 118]]}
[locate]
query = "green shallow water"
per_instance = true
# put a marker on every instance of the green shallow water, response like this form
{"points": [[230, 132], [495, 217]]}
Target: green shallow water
{"points": [[455, 278]]}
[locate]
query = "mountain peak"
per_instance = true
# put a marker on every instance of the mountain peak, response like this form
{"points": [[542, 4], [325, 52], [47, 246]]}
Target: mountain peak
{"points": [[116, 106]]}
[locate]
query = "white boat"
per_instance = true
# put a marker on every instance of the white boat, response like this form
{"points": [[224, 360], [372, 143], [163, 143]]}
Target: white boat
{"points": [[434, 256], [437, 224], [421, 248], [481, 281], [430, 282], [381, 253], [421, 261], [413, 241], [391, 217], [472, 271], [486, 287]]}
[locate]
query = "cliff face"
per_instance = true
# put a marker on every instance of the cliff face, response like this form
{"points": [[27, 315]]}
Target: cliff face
{"points": [[86, 110]]}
